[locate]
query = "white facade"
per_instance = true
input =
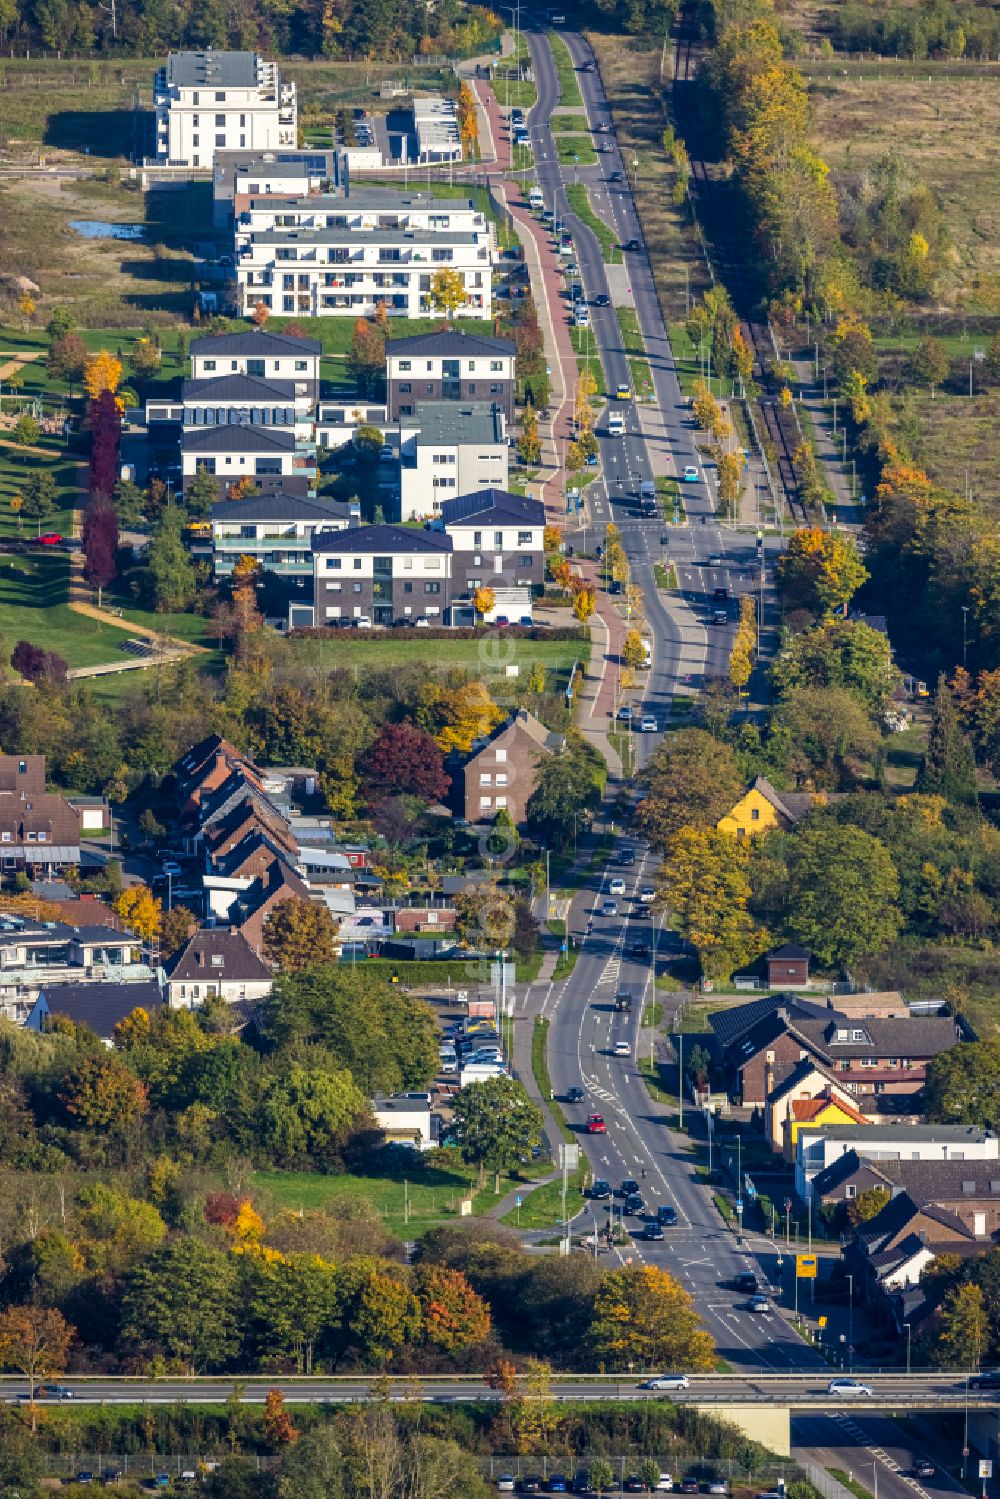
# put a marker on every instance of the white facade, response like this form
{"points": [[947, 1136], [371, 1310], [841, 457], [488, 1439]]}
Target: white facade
{"points": [[232, 452], [337, 421], [189, 994], [481, 368], [817, 1149], [456, 450], [238, 354], [217, 101], [435, 124], [327, 257]]}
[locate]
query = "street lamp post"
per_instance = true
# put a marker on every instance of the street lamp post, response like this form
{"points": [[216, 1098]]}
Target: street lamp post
{"points": [[907, 1326], [850, 1319]]}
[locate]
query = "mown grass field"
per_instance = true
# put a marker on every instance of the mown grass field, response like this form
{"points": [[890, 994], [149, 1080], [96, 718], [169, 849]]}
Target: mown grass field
{"points": [[487, 656], [33, 606], [579, 202], [569, 86]]}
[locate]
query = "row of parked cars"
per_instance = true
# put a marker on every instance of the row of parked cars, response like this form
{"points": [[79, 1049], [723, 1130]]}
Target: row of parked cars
{"points": [[470, 1043], [632, 1483]]}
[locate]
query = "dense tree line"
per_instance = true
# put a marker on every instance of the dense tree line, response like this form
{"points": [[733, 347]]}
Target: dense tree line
{"points": [[391, 29], [930, 28]]}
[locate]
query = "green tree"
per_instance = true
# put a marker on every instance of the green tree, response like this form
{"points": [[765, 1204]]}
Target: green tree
{"points": [[298, 934], [963, 1331], [61, 321], [842, 894], [691, 780], [291, 1302], [704, 883], [484, 917], [867, 1205], [380, 1312], [839, 653], [497, 1125], [963, 1085], [39, 496], [309, 1114], [643, 1316], [101, 1093], [26, 430], [929, 362], [829, 734], [129, 504], [948, 767], [567, 791], [171, 571], [183, 1300], [201, 493], [115, 1229], [602, 1475]]}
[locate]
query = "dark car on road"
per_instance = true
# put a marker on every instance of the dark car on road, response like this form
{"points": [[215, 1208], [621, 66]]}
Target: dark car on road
{"points": [[748, 1282], [634, 1484], [574, 1095], [639, 951], [600, 1190], [635, 1203], [666, 1215], [689, 1486], [628, 1187], [652, 1231], [988, 1380], [632, 244]]}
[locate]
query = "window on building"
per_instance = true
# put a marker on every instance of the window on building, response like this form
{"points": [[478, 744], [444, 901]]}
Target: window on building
{"points": [[6, 837], [500, 757], [497, 540], [524, 561], [209, 364], [485, 778], [485, 801], [333, 564], [357, 587], [43, 837], [432, 588], [501, 801], [501, 778], [404, 364], [850, 1191], [524, 538], [496, 365], [755, 814], [357, 564]]}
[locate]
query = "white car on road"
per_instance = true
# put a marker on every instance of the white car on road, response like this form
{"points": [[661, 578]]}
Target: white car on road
{"points": [[617, 886], [848, 1387], [647, 894], [666, 1382]]}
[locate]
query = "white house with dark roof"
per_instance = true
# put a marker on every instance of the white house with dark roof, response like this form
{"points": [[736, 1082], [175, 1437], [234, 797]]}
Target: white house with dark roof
{"points": [[381, 573], [209, 101], [275, 529], [263, 356], [497, 542], [449, 365], [234, 453], [216, 962]]}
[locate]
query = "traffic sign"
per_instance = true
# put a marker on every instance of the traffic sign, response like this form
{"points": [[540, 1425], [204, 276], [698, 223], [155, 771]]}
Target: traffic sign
{"points": [[739, 1204], [788, 1204], [821, 1321], [518, 1200], [806, 1267], [986, 1467]]}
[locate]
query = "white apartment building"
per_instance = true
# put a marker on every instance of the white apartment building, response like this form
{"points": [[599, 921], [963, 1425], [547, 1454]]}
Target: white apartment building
{"points": [[272, 357], [238, 176], [327, 256], [218, 101], [234, 453], [448, 449], [449, 365]]}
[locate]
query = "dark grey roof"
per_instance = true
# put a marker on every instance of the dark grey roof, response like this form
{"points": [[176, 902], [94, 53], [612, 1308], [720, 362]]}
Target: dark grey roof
{"points": [[789, 950], [454, 422], [942, 1181], [253, 344], [108, 934], [842, 1169], [279, 506], [916, 1036], [210, 69], [732, 1025], [387, 540], [237, 439], [239, 961], [489, 505], [238, 388], [447, 343], [101, 1006], [945, 1134]]}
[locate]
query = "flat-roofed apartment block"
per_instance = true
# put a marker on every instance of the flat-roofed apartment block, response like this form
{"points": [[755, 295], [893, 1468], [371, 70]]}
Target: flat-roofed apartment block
{"points": [[216, 101], [448, 449], [239, 176], [435, 125], [381, 573], [327, 256]]}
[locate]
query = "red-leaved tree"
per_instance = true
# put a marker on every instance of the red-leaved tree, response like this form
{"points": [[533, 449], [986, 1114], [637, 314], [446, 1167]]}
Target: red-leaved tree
{"points": [[100, 543], [405, 760], [105, 436]]}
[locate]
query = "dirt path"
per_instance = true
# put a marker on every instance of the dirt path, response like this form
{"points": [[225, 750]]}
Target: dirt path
{"points": [[23, 447], [15, 361]]}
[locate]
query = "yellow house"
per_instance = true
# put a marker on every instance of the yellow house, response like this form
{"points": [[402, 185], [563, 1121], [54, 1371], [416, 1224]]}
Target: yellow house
{"points": [[814, 1113], [761, 808]]}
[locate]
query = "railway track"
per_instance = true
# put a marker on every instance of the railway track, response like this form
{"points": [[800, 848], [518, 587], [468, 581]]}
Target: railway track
{"points": [[781, 428]]}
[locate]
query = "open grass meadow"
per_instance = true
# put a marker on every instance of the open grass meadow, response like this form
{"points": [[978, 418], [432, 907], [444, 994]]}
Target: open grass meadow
{"points": [[946, 125], [579, 202], [569, 85], [575, 150], [33, 606], [487, 657]]}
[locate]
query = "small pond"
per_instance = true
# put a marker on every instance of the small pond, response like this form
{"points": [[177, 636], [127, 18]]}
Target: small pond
{"points": [[101, 229]]}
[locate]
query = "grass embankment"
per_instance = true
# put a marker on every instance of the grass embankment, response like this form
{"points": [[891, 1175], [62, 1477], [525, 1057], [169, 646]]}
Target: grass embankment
{"points": [[569, 84], [638, 365], [575, 151], [653, 1073], [587, 356], [579, 202], [850, 1482], [665, 575], [511, 91], [566, 961], [652, 1014]]}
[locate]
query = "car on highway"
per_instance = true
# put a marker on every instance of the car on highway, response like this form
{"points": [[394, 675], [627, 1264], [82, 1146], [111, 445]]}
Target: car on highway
{"points": [[623, 1049], [634, 1204], [600, 1190], [617, 886], [628, 1187], [639, 951], [608, 908], [716, 559], [923, 1468], [617, 177], [720, 616], [574, 1095], [667, 1382], [596, 1124], [666, 1214], [647, 894], [601, 300], [690, 474], [589, 66], [171, 867], [988, 1380], [506, 1483], [605, 146], [626, 856], [747, 1281], [652, 1231], [604, 128], [623, 1000], [690, 1486], [53, 1392], [758, 1303], [632, 244], [85, 1476], [648, 724], [623, 392], [848, 1387], [581, 317]]}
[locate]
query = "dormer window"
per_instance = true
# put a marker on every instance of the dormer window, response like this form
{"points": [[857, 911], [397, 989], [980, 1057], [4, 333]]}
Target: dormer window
{"points": [[858, 1036]]}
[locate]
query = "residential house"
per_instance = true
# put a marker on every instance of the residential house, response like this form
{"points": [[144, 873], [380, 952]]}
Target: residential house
{"points": [[817, 1150], [275, 358], [99, 1006], [22, 773], [276, 530], [762, 808], [827, 1110], [449, 366], [250, 910], [38, 954], [498, 543], [209, 101], [329, 256], [885, 1059], [239, 176], [202, 769], [39, 833], [807, 1080], [449, 448], [501, 772], [231, 454], [384, 574], [216, 963]]}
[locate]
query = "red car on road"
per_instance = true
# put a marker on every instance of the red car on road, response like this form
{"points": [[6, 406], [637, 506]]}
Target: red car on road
{"points": [[50, 539], [596, 1125]]}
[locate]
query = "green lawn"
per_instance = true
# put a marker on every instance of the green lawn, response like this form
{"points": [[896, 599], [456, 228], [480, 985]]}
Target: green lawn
{"points": [[578, 123], [343, 649], [432, 1191], [575, 150], [587, 356], [509, 91], [580, 204], [33, 592], [542, 1208], [642, 379], [569, 86]]}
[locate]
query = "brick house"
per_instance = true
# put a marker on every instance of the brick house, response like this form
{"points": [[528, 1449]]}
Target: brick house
{"points": [[250, 910], [501, 772]]}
